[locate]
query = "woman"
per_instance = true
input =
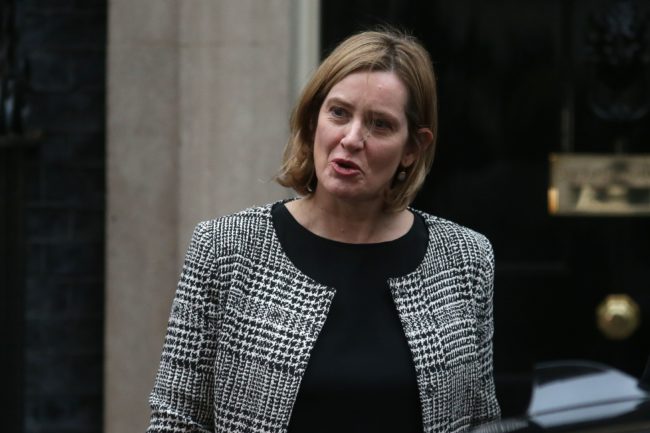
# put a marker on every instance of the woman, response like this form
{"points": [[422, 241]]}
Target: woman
{"points": [[343, 310]]}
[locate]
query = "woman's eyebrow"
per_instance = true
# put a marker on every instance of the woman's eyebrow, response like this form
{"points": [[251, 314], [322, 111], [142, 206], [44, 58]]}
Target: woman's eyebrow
{"points": [[338, 100], [384, 114], [373, 113]]}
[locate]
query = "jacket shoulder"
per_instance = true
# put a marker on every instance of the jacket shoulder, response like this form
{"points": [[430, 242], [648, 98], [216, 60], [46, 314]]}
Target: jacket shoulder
{"points": [[451, 233], [241, 218], [234, 230]]}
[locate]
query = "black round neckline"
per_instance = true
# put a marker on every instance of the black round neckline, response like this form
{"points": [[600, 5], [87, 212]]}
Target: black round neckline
{"points": [[321, 258], [281, 210]]}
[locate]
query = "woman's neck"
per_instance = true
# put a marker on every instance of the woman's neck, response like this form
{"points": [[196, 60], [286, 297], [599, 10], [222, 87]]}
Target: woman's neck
{"points": [[355, 223]]}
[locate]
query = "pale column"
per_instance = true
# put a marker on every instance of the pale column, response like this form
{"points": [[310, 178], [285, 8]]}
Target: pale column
{"points": [[305, 43], [199, 94], [234, 105], [142, 186]]}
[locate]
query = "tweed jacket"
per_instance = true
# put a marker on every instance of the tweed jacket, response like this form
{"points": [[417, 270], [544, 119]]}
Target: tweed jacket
{"points": [[244, 320]]}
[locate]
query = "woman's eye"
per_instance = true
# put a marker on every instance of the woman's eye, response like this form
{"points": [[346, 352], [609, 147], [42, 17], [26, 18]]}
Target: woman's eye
{"points": [[337, 112], [381, 124]]}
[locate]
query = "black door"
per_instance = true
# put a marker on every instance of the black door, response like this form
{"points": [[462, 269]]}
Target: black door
{"points": [[516, 82]]}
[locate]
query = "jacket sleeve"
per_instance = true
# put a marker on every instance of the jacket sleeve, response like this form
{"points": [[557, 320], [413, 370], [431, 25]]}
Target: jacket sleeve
{"points": [[181, 400], [486, 407]]}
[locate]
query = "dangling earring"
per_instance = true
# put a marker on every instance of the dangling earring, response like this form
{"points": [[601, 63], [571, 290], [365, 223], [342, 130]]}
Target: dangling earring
{"points": [[401, 176], [310, 188]]}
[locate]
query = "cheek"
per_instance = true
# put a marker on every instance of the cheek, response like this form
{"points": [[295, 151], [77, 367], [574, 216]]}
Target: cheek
{"points": [[325, 138], [320, 147], [389, 159]]}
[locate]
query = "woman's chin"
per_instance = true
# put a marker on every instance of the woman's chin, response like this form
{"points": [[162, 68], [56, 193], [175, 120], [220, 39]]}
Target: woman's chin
{"points": [[348, 194]]}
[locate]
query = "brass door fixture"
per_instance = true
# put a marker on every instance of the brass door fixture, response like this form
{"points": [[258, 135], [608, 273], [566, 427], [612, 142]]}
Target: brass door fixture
{"points": [[618, 316]]}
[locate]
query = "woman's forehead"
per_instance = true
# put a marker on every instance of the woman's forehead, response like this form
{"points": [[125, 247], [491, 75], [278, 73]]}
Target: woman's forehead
{"points": [[376, 90]]}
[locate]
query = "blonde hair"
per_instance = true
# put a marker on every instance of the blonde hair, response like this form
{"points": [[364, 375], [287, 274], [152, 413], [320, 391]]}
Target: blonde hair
{"points": [[383, 50]]}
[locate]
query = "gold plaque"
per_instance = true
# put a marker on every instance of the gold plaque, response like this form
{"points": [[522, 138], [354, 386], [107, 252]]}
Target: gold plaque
{"points": [[599, 184]]}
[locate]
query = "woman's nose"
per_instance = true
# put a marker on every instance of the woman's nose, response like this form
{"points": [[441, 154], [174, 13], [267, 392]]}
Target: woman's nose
{"points": [[355, 135]]}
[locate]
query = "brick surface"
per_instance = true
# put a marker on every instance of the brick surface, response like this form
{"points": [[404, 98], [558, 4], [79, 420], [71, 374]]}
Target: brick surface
{"points": [[67, 112], [63, 298], [73, 258], [51, 414], [51, 72], [66, 71], [63, 43], [59, 5], [35, 258], [80, 185], [73, 363], [88, 224], [49, 224], [80, 147], [66, 29]]}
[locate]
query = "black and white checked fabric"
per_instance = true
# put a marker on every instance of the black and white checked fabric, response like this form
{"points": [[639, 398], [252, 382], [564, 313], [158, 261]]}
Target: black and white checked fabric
{"points": [[244, 320]]}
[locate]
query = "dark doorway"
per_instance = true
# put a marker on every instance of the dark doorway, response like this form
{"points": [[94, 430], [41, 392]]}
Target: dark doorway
{"points": [[510, 74]]}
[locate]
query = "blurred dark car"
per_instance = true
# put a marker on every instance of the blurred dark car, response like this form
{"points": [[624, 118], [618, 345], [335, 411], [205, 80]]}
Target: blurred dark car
{"points": [[582, 396]]}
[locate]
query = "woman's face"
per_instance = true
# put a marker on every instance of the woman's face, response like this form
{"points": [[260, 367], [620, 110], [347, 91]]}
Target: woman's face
{"points": [[361, 137]]}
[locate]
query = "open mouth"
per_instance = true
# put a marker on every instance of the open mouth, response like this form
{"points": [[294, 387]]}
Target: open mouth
{"points": [[345, 167]]}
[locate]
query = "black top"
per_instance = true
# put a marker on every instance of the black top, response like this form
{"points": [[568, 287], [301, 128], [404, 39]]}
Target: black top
{"points": [[360, 376]]}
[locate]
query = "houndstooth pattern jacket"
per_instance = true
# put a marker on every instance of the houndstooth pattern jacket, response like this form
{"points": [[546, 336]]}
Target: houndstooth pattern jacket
{"points": [[244, 320]]}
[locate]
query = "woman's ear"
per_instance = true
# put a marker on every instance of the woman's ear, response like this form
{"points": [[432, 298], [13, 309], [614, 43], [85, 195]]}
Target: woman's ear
{"points": [[422, 139]]}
